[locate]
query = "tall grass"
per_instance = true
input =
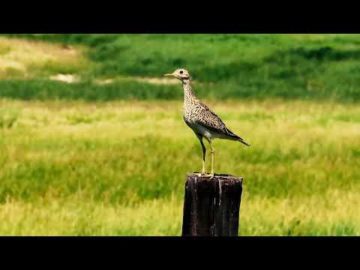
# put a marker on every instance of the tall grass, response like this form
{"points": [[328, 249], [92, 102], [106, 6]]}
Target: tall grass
{"points": [[127, 89], [107, 154], [91, 168], [230, 66]]}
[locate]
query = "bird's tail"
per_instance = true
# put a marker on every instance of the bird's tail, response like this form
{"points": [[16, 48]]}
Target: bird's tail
{"points": [[242, 141], [235, 137]]}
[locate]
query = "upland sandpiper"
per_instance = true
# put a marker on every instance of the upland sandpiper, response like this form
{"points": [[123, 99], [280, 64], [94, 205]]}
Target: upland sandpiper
{"points": [[204, 122]]}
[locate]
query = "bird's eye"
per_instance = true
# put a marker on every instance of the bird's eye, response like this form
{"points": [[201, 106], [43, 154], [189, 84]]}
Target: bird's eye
{"points": [[181, 72]]}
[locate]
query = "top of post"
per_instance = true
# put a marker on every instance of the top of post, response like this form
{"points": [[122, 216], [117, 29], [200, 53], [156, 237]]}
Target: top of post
{"points": [[217, 177]]}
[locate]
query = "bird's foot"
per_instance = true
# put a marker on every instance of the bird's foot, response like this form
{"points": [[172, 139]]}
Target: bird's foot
{"points": [[205, 174], [210, 175]]}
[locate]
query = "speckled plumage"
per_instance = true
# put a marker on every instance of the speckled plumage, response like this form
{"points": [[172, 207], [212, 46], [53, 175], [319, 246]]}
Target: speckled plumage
{"points": [[204, 122]]}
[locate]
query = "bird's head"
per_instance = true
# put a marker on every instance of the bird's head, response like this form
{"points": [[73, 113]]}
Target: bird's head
{"points": [[180, 73]]}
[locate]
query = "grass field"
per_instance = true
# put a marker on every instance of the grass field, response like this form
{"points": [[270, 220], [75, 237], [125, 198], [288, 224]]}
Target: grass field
{"points": [[315, 67], [107, 153]]}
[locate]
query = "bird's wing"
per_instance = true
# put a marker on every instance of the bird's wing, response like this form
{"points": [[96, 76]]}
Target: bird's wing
{"points": [[212, 121]]}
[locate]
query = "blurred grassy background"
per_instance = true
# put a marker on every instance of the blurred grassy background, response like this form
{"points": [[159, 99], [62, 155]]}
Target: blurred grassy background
{"points": [[227, 66], [92, 140]]}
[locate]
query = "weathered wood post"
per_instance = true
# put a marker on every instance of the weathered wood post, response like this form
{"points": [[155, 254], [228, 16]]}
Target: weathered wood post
{"points": [[212, 206]]}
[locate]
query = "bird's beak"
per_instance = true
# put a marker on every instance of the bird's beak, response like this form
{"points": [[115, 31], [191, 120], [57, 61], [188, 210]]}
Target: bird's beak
{"points": [[169, 75]]}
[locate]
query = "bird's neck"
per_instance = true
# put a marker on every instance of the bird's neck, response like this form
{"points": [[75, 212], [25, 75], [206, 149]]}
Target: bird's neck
{"points": [[189, 95]]}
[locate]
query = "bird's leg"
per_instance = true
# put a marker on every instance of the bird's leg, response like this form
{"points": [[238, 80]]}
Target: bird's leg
{"points": [[212, 158], [203, 153]]}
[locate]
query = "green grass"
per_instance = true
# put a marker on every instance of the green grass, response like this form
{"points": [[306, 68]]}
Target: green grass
{"points": [[228, 66], [108, 155], [83, 168], [40, 89], [127, 89]]}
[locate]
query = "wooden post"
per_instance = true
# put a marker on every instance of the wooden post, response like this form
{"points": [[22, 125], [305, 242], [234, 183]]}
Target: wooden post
{"points": [[212, 206]]}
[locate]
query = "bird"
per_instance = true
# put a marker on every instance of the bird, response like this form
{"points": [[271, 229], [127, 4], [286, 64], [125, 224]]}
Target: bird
{"points": [[202, 120]]}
